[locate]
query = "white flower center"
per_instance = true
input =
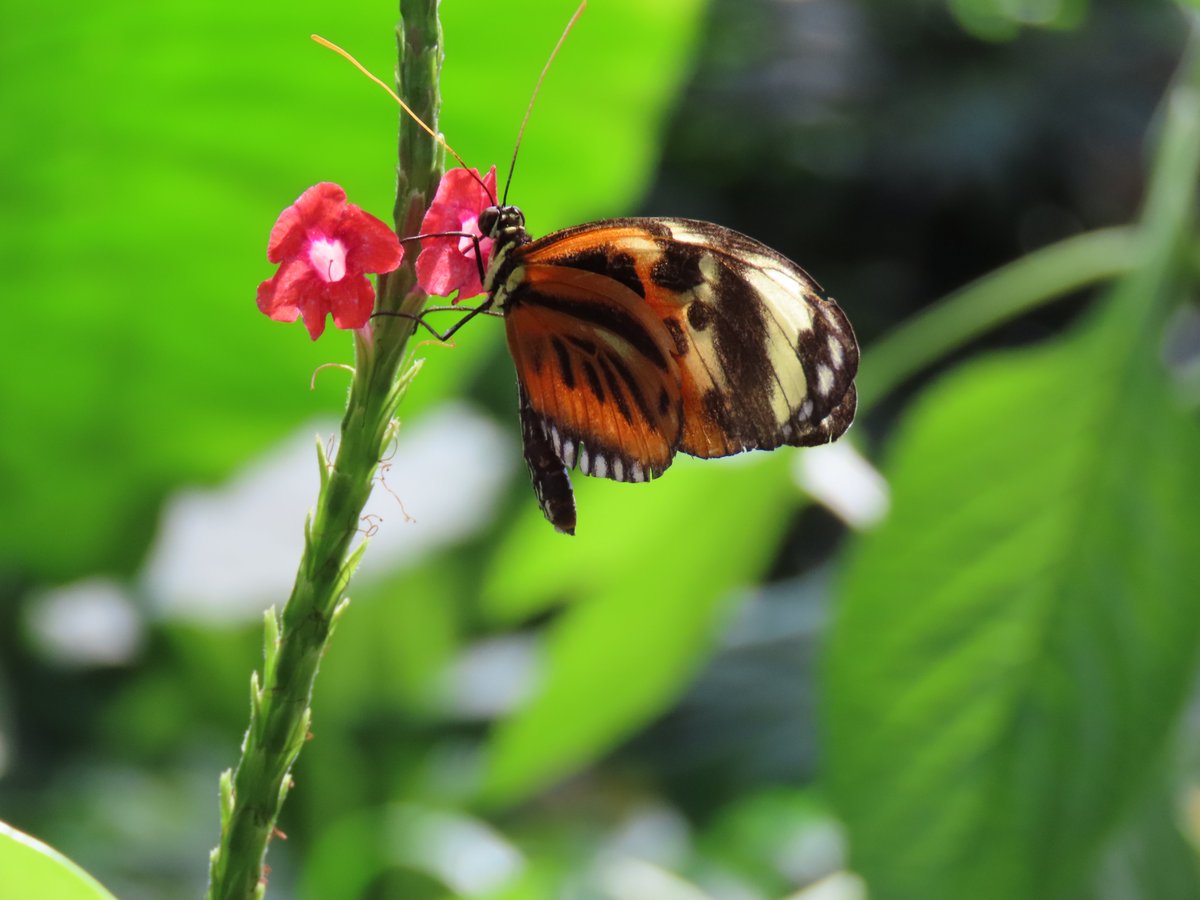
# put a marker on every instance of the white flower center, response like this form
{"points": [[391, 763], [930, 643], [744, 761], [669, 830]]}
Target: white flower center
{"points": [[466, 245], [328, 259]]}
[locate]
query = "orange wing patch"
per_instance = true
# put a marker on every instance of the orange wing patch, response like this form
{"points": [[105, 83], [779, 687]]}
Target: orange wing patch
{"points": [[598, 369]]}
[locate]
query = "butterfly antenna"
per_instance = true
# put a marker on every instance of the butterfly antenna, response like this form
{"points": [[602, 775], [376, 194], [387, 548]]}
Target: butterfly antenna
{"points": [[537, 87], [404, 106]]}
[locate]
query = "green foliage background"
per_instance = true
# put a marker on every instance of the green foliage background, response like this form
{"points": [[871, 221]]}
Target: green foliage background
{"points": [[1005, 662]]}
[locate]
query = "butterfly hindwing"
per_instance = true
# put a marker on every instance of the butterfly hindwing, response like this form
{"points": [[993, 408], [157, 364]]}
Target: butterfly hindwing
{"points": [[598, 371], [769, 359], [763, 357], [551, 483]]}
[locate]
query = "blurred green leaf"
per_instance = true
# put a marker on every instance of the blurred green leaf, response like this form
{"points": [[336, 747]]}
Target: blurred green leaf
{"points": [[1150, 858], [595, 134], [626, 531], [346, 854], [149, 151], [646, 596], [395, 638], [1016, 641], [775, 838], [1003, 19], [431, 852], [31, 869]]}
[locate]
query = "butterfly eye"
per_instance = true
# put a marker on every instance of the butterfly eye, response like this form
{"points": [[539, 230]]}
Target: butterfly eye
{"points": [[487, 221]]}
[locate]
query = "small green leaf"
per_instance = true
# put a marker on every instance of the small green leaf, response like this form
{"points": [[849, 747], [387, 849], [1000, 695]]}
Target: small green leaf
{"points": [[256, 699], [323, 465], [226, 788], [31, 869], [403, 381], [295, 744], [270, 643], [352, 560]]}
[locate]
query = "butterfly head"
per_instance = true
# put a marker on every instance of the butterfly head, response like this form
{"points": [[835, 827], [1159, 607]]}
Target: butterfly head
{"points": [[503, 224]]}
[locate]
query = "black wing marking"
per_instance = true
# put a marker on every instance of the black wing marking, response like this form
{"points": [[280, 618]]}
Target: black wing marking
{"points": [[551, 483]]}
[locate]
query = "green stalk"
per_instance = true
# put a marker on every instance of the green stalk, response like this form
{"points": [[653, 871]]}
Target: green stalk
{"points": [[997, 297], [1167, 219], [1153, 248], [253, 794]]}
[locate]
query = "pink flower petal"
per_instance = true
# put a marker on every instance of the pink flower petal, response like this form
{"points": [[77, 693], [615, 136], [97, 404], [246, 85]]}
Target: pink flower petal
{"points": [[441, 273], [351, 301], [281, 296], [324, 247], [371, 245], [318, 208], [449, 264], [314, 321]]}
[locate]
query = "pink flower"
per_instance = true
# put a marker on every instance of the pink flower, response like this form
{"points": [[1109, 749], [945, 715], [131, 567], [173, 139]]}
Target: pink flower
{"points": [[448, 264], [324, 246]]}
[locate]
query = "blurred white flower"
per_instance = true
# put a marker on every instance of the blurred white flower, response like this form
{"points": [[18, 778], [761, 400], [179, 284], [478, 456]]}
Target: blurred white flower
{"points": [[227, 553], [842, 480], [88, 623]]}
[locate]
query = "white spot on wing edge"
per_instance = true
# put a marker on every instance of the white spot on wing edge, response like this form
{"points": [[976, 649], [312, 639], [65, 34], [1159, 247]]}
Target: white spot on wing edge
{"points": [[618, 469], [600, 466], [836, 354], [824, 379]]}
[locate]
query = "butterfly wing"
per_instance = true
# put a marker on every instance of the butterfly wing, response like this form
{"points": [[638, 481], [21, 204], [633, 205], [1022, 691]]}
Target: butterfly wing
{"points": [[597, 370], [768, 359], [551, 483], [764, 358]]}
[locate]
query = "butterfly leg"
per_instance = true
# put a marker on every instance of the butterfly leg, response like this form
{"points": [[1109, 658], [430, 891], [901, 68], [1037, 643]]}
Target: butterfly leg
{"points": [[475, 239], [442, 336]]}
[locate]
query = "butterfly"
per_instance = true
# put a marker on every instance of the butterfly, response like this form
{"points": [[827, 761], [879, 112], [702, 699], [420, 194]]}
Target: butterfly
{"points": [[637, 338]]}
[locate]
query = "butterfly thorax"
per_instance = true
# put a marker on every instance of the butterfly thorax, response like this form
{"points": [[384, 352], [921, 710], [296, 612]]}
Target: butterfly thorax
{"points": [[505, 225]]}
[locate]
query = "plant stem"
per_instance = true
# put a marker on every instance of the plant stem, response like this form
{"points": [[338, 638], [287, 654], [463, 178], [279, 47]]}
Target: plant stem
{"points": [[252, 796], [997, 297], [1167, 217]]}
